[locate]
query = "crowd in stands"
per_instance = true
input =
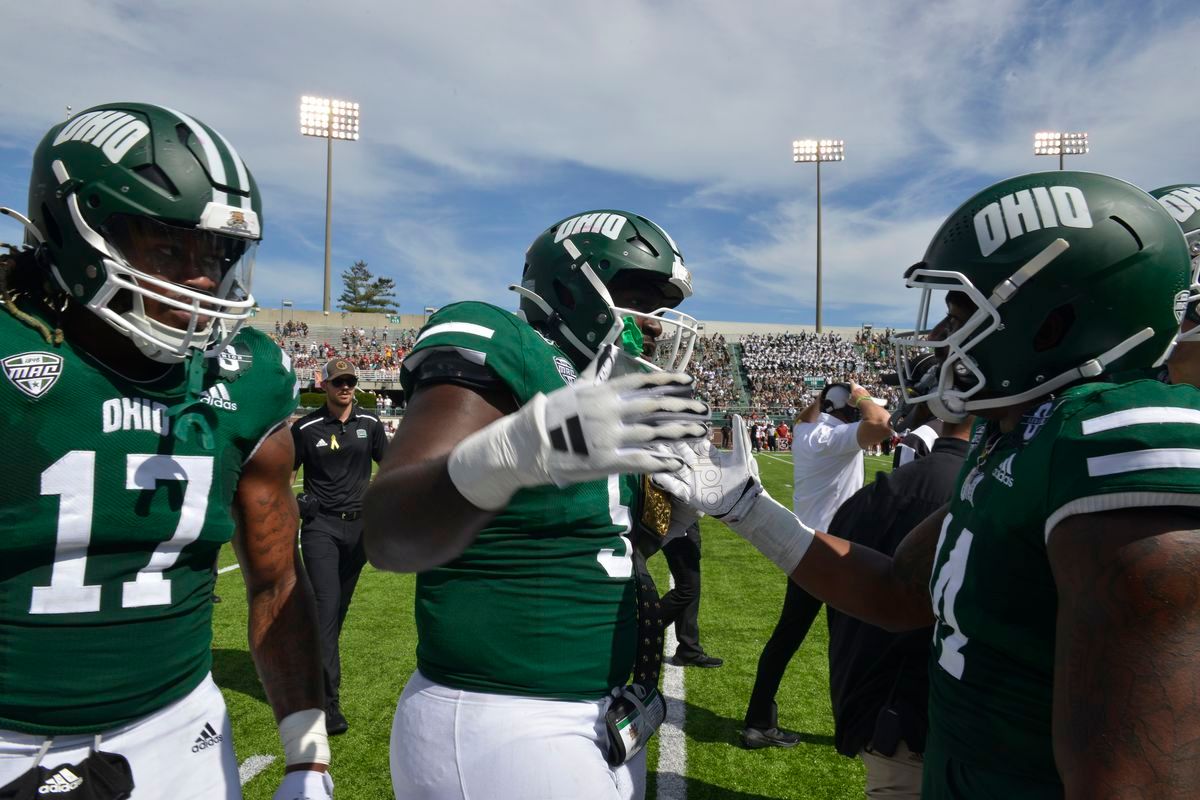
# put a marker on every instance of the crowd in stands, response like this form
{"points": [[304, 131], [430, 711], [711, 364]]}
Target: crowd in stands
{"points": [[712, 367], [369, 349], [776, 366]]}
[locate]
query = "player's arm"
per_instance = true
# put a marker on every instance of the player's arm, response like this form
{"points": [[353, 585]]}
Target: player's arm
{"points": [[1126, 685], [889, 592], [463, 452], [282, 615], [415, 517]]}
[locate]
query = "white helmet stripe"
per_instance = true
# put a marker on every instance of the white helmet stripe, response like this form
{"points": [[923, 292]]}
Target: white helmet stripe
{"points": [[215, 165], [242, 178]]}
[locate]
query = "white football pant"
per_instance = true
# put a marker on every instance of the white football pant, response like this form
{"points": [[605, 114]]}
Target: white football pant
{"points": [[449, 744], [183, 751]]}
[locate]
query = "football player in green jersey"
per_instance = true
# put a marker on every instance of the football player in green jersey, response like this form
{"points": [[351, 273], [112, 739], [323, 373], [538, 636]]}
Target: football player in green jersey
{"points": [[1063, 578], [512, 488], [152, 430], [1182, 201]]}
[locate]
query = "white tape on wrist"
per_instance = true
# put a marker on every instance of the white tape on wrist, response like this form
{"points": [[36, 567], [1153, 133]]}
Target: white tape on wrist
{"points": [[776, 532], [304, 738], [487, 467]]}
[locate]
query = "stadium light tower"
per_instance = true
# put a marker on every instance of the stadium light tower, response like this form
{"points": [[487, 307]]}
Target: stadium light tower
{"points": [[805, 151], [329, 119], [1054, 143]]}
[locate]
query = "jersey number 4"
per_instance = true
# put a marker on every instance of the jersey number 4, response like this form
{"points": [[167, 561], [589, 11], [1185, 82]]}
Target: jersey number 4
{"points": [[948, 632], [73, 479]]}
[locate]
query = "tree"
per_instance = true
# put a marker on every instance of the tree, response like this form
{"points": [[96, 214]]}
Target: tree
{"points": [[366, 293]]}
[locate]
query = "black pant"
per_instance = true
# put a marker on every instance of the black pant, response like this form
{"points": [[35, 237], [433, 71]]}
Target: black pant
{"points": [[334, 558], [799, 610], [681, 605]]}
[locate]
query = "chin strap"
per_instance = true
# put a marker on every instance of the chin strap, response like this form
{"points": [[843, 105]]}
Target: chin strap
{"points": [[190, 412]]}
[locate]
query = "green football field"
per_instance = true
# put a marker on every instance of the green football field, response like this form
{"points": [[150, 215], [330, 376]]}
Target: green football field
{"points": [[741, 597]]}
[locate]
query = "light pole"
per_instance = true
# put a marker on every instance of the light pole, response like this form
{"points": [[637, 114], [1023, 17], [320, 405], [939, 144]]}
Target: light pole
{"points": [[329, 119], [815, 151], [1054, 143]]}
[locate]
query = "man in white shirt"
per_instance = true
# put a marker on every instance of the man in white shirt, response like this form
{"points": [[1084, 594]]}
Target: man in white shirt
{"points": [[827, 450]]}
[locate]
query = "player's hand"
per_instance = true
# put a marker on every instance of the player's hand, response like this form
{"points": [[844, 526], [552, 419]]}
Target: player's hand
{"points": [[305, 785], [727, 486], [585, 431], [724, 485]]}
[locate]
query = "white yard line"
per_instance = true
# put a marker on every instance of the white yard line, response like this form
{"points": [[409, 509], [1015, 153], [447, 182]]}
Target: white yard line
{"points": [[777, 458], [252, 766], [672, 744], [230, 568]]}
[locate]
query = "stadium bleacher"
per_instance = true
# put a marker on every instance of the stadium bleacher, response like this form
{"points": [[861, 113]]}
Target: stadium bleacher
{"points": [[767, 374]]}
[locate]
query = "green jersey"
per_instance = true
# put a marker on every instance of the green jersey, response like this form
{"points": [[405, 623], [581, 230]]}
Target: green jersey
{"points": [[1096, 447], [112, 523], [543, 602]]}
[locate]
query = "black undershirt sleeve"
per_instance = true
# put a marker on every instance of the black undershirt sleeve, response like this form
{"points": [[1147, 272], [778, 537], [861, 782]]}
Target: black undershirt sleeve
{"points": [[446, 365]]}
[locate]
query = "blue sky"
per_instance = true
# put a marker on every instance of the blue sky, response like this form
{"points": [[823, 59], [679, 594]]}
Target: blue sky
{"points": [[483, 123]]}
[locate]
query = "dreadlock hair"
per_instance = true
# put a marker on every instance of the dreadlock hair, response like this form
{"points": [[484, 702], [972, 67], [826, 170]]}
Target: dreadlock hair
{"points": [[21, 279]]}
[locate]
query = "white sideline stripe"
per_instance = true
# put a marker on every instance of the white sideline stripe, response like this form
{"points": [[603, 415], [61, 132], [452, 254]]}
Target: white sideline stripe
{"points": [[777, 458], [1141, 416], [456, 327], [672, 744], [222, 571], [1133, 461], [252, 766]]}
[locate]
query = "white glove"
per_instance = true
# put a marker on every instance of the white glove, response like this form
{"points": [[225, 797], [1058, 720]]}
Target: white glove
{"points": [[727, 486], [585, 431], [712, 482], [305, 785]]}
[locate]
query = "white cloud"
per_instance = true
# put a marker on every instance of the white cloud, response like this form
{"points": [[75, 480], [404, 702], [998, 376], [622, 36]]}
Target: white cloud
{"points": [[933, 100]]}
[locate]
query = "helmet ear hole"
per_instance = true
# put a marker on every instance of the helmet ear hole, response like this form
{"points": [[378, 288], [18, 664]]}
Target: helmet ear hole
{"points": [[51, 225], [1055, 328], [564, 295]]}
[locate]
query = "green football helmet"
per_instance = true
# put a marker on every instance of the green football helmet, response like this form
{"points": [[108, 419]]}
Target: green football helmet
{"points": [[570, 269], [1182, 201], [1071, 274], [130, 202]]}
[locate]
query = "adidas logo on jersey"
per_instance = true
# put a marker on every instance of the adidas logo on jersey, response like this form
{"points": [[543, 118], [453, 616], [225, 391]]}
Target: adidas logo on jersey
{"points": [[1003, 473], [62, 781], [134, 414], [208, 738], [322, 443], [217, 396]]}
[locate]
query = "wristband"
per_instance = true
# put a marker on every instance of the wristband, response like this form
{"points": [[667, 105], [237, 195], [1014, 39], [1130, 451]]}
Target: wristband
{"points": [[775, 531], [487, 467], [304, 738], [858, 398]]}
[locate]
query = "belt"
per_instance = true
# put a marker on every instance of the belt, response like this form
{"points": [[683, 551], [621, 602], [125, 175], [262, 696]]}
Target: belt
{"points": [[348, 516]]}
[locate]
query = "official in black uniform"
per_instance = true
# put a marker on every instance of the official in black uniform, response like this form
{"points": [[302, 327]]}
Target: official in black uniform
{"points": [[336, 445], [879, 681], [681, 605]]}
